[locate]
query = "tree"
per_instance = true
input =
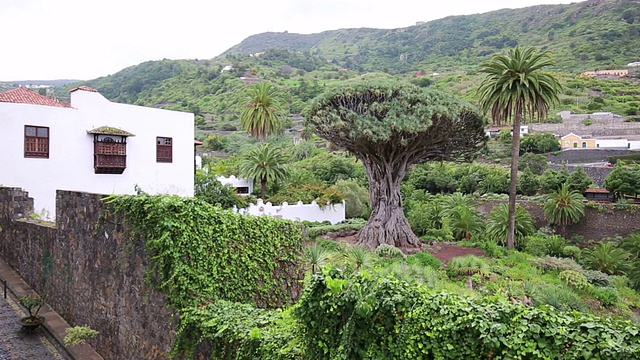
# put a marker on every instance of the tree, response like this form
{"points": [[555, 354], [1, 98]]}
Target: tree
{"points": [[209, 189], [564, 207], [264, 163], [536, 163], [579, 180], [623, 181], [468, 266], [390, 126], [498, 224], [514, 87], [261, 117]]}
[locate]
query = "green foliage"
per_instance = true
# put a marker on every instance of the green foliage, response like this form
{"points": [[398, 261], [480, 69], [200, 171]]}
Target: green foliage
{"points": [[308, 193], [623, 180], [541, 244], [316, 257], [529, 183], [608, 296], [261, 118], [550, 263], [380, 318], [629, 158], [498, 224], [536, 163], [356, 198], [608, 258], [200, 252], [552, 180], [598, 278], [239, 331], [571, 251], [389, 252], [316, 231], [264, 163], [209, 189], [564, 206], [632, 245], [79, 335], [539, 143], [573, 278], [424, 259], [579, 181], [31, 302], [559, 297], [468, 266]]}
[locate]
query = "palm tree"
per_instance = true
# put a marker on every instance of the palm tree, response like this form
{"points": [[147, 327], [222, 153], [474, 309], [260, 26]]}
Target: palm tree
{"points": [[607, 258], [498, 225], [468, 266], [264, 164], [515, 86], [564, 207], [261, 118]]}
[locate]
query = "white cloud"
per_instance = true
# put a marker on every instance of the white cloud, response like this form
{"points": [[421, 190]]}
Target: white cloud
{"points": [[83, 39]]}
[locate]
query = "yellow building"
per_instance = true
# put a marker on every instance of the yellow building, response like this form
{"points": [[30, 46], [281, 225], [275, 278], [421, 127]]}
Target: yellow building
{"points": [[573, 141]]}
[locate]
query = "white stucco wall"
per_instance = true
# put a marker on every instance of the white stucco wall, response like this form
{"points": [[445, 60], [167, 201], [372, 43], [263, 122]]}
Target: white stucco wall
{"points": [[70, 165], [615, 143], [236, 182], [311, 212]]}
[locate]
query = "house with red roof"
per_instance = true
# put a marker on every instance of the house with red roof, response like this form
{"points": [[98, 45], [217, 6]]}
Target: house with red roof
{"points": [[92, 145]]}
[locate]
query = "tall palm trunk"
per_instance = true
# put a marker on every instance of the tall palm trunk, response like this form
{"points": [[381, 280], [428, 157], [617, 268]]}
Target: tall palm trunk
{"points": [[513, 187], [263, 187]]}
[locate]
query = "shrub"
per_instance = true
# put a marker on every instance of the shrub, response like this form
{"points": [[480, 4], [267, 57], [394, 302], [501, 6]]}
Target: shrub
{"points": [[571, 251], [607, 258], [498, 226], [424, 259], [574, 279], [411, 273], [550, 263], [598, 278], [389, 252], [608, 296], [558, 297], [316, 231]]}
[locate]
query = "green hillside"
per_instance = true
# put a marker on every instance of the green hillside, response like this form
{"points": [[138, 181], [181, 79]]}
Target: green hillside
{"points": [[583, 36]]}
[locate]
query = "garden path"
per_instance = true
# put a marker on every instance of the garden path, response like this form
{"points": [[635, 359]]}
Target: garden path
{"points": [[16, 344]]}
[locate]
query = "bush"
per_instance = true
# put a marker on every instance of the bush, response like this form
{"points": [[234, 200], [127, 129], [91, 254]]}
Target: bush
{"points": [[316, 231], [574, 279], [608, 296], [571, 251], [598, 278], [389, 252], [424, 259], [551, 263], [558, 297]]}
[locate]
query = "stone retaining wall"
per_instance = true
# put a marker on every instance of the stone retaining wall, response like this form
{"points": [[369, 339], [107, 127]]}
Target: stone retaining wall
{"points": [[598, 223], [86, 271]]}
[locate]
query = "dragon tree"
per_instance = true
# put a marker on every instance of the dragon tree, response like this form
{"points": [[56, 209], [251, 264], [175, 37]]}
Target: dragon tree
{"points": [[390, 126]]}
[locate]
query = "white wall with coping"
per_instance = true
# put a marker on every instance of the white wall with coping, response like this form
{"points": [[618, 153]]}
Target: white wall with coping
{"points": [[70, 165], [612, 143], [334, 213], [236, 182]]}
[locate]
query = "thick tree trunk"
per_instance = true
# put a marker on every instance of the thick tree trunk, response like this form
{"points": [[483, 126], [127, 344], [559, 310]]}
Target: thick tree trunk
{"points": [[513, 187], [387, 224]]}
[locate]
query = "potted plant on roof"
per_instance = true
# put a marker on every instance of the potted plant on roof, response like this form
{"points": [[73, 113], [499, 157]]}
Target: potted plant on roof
{"points": [[33, 304]]}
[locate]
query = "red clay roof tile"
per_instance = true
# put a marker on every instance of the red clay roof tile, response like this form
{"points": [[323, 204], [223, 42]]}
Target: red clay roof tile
{"points": [[24, 96], [84, 88]]}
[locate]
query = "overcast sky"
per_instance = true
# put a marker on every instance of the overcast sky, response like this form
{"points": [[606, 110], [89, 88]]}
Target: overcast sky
{"points": [[85, 39]]}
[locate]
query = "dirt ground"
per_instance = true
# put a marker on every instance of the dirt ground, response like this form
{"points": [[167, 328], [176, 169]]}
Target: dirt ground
{"points": [[443, 251], [446, 252]]}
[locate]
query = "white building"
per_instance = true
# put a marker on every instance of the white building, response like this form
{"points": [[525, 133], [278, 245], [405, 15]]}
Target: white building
{"points": [[92, 145], [243, 186]]}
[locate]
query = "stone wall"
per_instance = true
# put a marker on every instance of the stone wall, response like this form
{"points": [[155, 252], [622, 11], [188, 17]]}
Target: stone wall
{"points": [[598, 223], [597, 173], [89, 273]]}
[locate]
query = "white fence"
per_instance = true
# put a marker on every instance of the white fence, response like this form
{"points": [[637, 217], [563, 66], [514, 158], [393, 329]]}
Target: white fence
{"points": [[333, 213]]}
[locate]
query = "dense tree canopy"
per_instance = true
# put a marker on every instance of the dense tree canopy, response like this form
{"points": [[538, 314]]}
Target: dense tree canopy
{"points": [[390, 126]]}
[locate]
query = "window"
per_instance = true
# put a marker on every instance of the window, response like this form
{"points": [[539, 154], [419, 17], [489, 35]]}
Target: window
{"points": [[575, 144], [36, 142], [566, 144], [584, 144], [164, 149]]}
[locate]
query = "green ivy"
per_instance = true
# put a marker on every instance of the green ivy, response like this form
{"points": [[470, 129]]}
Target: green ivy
{"points": [[201, 254]]}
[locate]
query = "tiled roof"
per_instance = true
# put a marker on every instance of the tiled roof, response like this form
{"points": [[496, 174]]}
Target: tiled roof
{"points": [[84, 88], [24, 96], [197, 142]]}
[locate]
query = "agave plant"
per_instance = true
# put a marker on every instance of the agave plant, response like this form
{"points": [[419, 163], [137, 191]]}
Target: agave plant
{"points": [[359, 257], [607, 258], [564, 207], [468, 266]]}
